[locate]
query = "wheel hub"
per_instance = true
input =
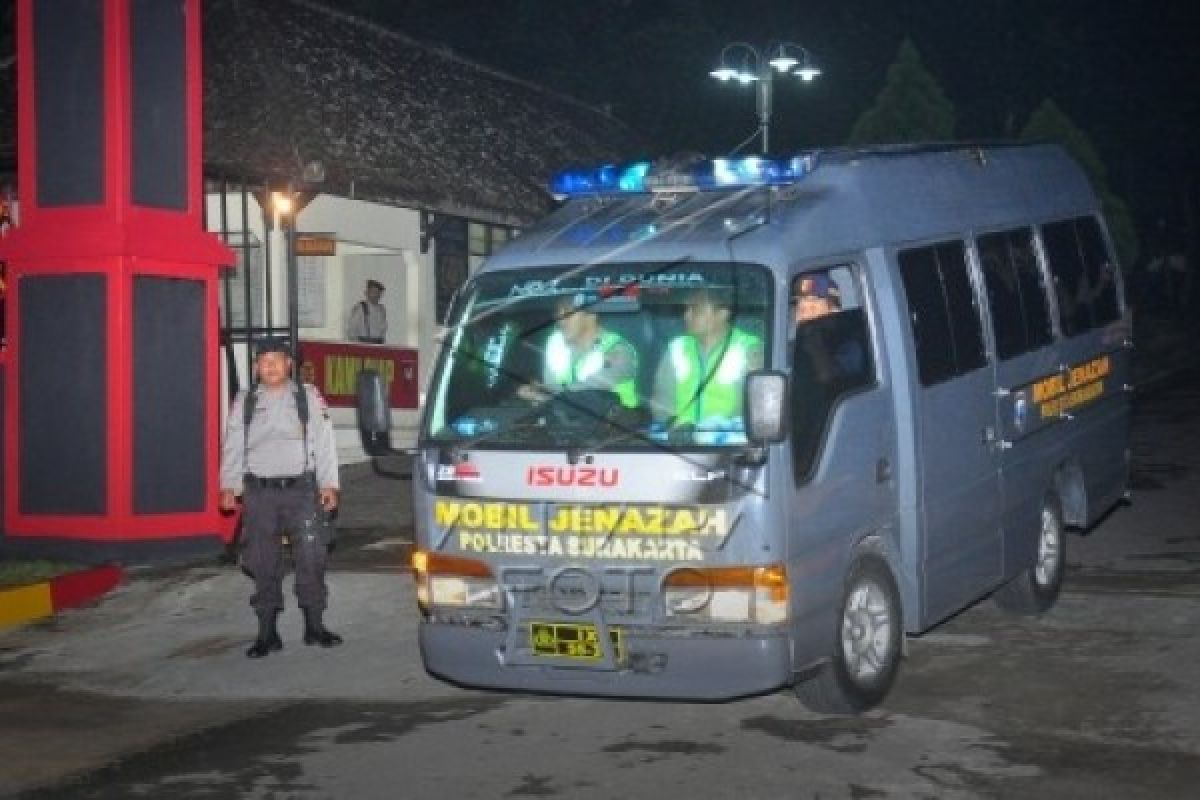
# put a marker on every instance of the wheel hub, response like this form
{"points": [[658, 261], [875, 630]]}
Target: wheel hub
{"points": [[1048, 550], [866, 632]]}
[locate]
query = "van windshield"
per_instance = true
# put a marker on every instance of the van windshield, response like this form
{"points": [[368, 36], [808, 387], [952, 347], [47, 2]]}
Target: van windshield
{"points": [[626, 356]]}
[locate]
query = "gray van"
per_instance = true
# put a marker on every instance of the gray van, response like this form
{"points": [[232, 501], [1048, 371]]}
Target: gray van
{"points": [[716, 427]]}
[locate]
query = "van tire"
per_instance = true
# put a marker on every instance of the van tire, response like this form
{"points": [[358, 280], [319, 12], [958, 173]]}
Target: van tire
{"points": [[1036, 588], [866, 647]]}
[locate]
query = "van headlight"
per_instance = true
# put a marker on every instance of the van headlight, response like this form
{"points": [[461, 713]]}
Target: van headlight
{"points": [[727, 594], [454, 582]]}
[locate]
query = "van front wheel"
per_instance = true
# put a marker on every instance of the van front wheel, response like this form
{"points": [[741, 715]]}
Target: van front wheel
{"points": [[1036, 588], [866, 652]]}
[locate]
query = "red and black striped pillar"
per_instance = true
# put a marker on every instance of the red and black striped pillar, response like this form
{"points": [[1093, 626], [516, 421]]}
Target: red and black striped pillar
{"points": [[110, 388]]}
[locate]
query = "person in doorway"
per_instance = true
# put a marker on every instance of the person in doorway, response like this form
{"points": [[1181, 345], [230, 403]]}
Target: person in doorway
{"points": [[581, 354], [282, 460], [700, 377], [367, 321]]}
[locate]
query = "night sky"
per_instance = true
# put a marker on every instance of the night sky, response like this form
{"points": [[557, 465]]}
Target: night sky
{"points": [[1126, 72]]}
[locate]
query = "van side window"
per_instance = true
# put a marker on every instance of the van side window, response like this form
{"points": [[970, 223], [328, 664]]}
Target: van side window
{"points": [[945, 321], [1020, 319], [831, 355], [1084, 274]]}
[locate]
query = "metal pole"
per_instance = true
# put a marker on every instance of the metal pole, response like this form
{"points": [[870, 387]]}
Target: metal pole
{"points": [[765, 79], [293, 273]]}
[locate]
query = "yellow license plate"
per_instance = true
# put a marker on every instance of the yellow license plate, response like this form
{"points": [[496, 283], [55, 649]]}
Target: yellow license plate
{"points": [[570, 640]]}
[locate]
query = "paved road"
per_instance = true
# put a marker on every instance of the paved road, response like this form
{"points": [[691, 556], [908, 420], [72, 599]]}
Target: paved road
{"points": [[1099, 699]]}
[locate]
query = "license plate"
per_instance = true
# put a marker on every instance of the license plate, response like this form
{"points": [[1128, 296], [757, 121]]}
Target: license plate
{"points": [[570, 640]]}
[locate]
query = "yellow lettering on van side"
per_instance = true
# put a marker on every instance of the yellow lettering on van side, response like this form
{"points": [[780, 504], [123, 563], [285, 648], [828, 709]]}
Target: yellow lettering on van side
{"points": [[1090, 371], [1048, 388]]}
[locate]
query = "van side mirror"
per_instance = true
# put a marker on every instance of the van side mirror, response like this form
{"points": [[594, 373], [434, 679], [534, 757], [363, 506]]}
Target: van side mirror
{"points": [[765, 403], [374, 414]]}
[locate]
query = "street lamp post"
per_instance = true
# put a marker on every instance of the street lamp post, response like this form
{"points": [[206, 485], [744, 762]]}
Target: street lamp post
{"points": [[746, 64], [285, 207]]}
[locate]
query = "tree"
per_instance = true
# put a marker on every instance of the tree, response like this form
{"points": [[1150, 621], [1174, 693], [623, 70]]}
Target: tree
{"points": [[911, 107], [1049, 123]]}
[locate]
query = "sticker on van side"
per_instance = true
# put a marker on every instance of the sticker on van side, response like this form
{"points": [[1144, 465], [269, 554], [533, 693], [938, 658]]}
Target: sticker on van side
{"points": [[1055, 396]]}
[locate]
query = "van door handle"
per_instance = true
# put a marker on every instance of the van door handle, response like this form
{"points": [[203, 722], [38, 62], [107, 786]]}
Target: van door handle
{"points": [[990, 439]]}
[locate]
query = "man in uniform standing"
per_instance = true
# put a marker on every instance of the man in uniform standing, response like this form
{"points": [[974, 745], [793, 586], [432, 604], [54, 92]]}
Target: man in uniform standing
{"points": [[280, 456], [368, 318]]}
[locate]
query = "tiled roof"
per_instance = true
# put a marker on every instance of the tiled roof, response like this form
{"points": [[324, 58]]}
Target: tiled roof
{"points": [[391, 119]]}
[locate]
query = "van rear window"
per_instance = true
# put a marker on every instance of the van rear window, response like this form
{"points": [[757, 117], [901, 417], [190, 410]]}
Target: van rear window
{"points": [[1016, 296], [1084, 272], [945, 319]]}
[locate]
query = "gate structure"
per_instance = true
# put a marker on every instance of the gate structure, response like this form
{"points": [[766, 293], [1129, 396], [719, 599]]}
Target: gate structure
{"points": [[111, 386]]}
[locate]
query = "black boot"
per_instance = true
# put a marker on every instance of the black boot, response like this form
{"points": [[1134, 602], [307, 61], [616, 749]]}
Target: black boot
{"points": [[314, 630], [268, 640]]}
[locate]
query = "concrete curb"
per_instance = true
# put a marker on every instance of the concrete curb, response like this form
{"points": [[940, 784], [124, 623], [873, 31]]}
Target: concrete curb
{"points": [[22, 604]]}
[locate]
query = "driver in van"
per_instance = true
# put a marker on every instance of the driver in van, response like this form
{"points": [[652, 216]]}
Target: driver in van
{"points": [[581, 354], [700, 377]]}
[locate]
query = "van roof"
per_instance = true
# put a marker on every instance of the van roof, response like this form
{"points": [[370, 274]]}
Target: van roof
{"points": [[851, 200]]}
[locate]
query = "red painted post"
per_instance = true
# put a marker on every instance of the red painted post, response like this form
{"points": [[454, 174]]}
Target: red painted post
{"points": [[111, 388]]}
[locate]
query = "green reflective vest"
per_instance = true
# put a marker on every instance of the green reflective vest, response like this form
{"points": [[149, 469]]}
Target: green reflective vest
{"points": [[566, 369], [698, 399]]}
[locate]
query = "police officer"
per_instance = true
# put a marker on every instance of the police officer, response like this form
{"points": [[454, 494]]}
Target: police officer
{"points": [[817, 297], [699, 380], [368, 318], [283, 466], [581, 354]]}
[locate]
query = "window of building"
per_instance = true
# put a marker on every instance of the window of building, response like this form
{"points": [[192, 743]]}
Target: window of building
{"points": [[450, 262], [247, 278], [1016, 296], [831, 356], [947, 333], [1084, 272], [484, 239]]}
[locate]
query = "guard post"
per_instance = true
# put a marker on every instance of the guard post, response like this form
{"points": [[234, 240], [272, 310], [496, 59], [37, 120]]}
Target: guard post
{"points": [[111, 384]]}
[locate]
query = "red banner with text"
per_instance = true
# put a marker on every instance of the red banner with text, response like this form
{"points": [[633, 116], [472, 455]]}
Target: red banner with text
{"points": [[333, 368]]}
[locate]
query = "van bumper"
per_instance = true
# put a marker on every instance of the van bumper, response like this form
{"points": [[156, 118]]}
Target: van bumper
{"points": [[700, 667]]}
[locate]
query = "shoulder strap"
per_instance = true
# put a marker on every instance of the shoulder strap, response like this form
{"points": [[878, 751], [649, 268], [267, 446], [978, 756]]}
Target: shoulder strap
{"points": [[302, 404], [302, 413], [249, 406]]}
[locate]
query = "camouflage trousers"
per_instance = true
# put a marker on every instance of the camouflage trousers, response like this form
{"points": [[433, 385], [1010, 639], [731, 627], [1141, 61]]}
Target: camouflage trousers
{"points": [[268, 514]]}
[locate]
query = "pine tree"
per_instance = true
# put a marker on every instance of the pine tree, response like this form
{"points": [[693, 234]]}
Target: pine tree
{"points": [[1049, 123], [911, 107]]}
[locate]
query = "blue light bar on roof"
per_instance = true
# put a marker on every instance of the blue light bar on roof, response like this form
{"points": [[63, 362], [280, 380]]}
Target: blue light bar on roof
{"points": [[606, 179], [717, 173]]}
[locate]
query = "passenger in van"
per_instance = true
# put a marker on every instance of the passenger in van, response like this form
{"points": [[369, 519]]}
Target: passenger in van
{"points": [[817, 297], [699, 379], [581, 354]]}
